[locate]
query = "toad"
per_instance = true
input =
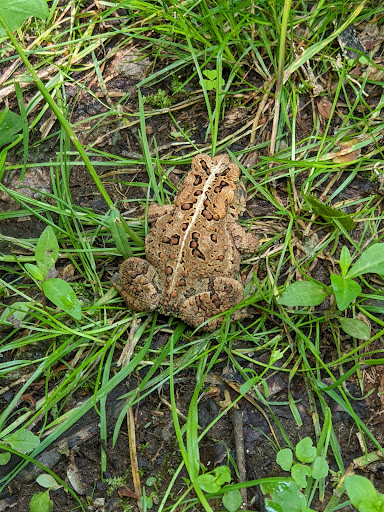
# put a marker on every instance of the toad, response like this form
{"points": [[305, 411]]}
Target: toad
{"points": [[193, 249]]}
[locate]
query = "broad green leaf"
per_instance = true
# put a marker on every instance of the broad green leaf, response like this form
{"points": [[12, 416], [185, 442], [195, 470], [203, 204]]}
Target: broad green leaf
{"points": [[34, 271], [232, 500], [283, 493], [22, 440], [61, 294], [212, 80], [209, 85], [379, 503], [345, 290], [303, 293], [271, 506], [47, 481], [208, 483], [41, 502], [15, 12], [360, 490], [355, 328], [223, 474], [320, 468], [211, 74], [47, 250], [345, 260], [300, 473], [370, 262], [329, 214], [4, 458], [305, 451], [284, 458], [10, 125]]}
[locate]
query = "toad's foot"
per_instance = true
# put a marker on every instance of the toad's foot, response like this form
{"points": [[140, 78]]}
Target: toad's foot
{"points": [[223, 294]]}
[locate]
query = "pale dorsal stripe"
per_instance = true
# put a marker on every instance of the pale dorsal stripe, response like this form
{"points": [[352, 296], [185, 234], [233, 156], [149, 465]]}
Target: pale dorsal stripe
{"points": [[215, 170]]}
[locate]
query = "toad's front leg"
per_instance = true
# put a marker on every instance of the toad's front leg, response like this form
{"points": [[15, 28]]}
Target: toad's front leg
{"points": [[245, 242]]}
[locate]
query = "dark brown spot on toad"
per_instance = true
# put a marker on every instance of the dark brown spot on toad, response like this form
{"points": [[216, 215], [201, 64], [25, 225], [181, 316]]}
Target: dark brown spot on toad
{"points": [[207, 214]]}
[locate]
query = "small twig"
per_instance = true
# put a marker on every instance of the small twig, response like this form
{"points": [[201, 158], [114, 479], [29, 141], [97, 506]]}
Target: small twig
{"points": [[133, 457], [237, 422], [123, 361]]}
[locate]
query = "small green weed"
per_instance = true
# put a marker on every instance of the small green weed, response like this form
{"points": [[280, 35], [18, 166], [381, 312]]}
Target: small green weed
{"points": [[212, 483], [160, 100], [212, 80], [363, 494], [287, 496], [117, 481], [306, 454], [56, 290], [343, 286], [41, 502]]}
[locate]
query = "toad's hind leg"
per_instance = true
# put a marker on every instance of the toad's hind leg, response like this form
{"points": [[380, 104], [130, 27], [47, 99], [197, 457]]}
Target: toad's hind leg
{"points": [[139, 284], [222, 293]]}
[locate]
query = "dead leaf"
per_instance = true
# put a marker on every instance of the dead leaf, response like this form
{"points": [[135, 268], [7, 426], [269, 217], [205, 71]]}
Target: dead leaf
{"points": [[67, 272], [125, 492], [29, 398], [74, 477], [347, 152], [212, 392], [371, 37], [324, 106]]}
